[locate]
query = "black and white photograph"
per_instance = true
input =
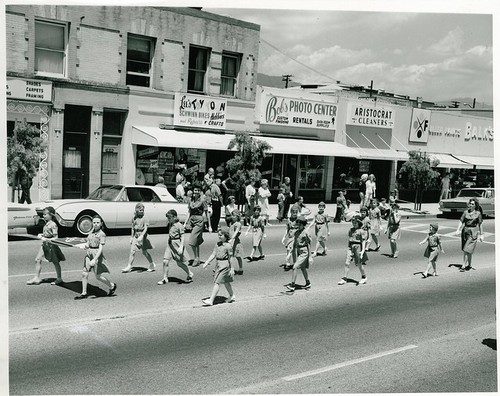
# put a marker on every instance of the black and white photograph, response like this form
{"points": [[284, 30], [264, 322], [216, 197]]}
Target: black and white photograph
{"points": [[223, 197]]}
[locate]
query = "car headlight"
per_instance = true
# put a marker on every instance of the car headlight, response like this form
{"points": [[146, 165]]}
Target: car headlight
{"points": [[440, 204]]}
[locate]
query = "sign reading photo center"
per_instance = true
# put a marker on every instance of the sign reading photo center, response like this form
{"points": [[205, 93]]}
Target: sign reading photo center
{"points": [[198, 111]]}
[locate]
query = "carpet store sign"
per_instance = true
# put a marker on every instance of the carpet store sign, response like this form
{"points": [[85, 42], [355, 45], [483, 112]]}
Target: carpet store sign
{"points": [[297, 112], [35, 90], [197, 111], [370, 116]]}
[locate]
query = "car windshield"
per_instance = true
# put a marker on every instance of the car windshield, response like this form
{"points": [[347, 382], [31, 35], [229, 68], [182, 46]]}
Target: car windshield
{"points": [[105, 193], [471, 193]]}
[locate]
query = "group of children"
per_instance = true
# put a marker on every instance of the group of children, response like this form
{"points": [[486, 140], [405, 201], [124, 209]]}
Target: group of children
{"points": [[366, 227]]}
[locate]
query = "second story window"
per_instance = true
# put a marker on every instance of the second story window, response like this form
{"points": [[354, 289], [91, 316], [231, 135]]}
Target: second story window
{"points": [[139, 60], [50, 48], [198, 62], [229, 73]]}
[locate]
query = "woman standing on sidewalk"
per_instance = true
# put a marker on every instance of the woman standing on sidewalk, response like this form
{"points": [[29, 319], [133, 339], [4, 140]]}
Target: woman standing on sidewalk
{"points": [[471, 225]]}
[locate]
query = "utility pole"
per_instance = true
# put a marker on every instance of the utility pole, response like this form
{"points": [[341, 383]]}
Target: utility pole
{"points": [[286, 78]]}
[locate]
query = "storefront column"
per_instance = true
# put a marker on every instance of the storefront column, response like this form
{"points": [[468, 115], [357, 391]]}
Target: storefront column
{"points": [[95, 149], [330, 162], [54, 178], [393, 175]]}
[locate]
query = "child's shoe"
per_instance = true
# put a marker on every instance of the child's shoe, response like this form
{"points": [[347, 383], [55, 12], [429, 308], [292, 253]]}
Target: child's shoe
{"points": [[343, 281], [307, 286], [231, 299], [152, 267], [112, 290], [362, 281], [207, 302], [291, 287]]}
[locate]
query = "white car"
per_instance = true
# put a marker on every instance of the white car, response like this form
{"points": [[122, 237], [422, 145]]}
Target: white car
{"points": [[484, 195], [20, 216], [115, 204]]}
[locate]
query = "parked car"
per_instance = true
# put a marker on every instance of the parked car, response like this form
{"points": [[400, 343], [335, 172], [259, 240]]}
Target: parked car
{"points": [[485, 196], [116, 205], [21, 216]]}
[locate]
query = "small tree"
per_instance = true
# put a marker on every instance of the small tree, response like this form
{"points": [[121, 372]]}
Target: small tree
{"points": [[250, 152], [419, 174], [23, 153]]}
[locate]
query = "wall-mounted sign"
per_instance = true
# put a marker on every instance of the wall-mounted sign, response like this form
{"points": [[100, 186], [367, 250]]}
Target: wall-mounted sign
{"points": [[34, 90], [370, 115], [198, 111], [420, 125], [296, 112]]}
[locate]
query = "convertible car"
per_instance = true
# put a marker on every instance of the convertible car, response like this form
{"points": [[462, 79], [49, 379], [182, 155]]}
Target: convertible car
{"points": [[485, 196], [116, 205]]}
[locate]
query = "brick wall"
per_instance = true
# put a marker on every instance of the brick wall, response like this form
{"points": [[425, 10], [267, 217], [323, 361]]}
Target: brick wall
{"points": [[17, 43]]}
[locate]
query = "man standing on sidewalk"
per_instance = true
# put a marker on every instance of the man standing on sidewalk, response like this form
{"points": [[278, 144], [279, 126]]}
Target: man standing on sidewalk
{"points": [[445, 186], [216, 201], [288, 196]]}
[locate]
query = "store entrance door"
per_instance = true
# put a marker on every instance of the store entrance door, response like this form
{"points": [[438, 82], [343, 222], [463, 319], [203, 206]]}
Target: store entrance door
{"points": [[76, 151]]}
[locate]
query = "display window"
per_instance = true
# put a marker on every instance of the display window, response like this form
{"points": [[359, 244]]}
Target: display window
{"points": [[346, 173], [312, 172]]}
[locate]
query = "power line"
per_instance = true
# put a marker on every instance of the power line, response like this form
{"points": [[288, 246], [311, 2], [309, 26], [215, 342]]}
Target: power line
{"points": [[295, 60]]}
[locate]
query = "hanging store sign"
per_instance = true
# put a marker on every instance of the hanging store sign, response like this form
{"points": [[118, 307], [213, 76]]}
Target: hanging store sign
{"points": [[420, 126], [297, 112], [370, 116], [34, 90], [198, 111]]}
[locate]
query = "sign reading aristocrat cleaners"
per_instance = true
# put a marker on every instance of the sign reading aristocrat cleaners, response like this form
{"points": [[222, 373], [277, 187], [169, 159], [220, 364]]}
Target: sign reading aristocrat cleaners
{"points": [[297, 112], [35, 90], [370, 115], [199, 111]]}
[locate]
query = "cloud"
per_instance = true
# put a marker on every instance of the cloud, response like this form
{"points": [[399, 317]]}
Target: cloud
{"points": [[451, 44]]}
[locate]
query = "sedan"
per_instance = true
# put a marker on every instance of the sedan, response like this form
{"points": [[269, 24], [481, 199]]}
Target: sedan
{"points": [[485, 196], [115, 204], [20, 216]]}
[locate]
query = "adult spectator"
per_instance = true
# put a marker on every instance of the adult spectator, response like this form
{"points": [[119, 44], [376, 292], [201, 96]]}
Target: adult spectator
{"points": [[216, 203], [471, 227], [341, 207], [26, 182], [229, 187], [445, 186], [180, 192], [161, 182], [209, 175], [180, 177], [263, 199], [362, 188], [288, 196], [370, 188], [220, 170]]}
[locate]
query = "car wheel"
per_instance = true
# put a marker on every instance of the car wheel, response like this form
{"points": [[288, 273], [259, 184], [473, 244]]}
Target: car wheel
{"points": [[84, 223]]}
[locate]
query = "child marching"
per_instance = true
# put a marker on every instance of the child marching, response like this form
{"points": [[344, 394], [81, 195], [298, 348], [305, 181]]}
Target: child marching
{"points": [[139, 239], [301, 246], [356, 250], [95, 260], [434, 247], [257, 227], [375, 217], [393, 230], [288, 238], [48, 251], [223, 270], [234, 240], [321, 230], [175, 248]]}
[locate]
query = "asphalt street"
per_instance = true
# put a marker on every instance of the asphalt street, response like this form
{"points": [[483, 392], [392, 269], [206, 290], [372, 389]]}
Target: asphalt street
{"points": [[397, 333]]}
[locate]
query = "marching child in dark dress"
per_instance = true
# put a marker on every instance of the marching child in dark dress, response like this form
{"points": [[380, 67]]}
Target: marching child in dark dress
{"points": [[175, 248], [281, 204], [95, 260], [234, 240], [356, 250], [288, 238], [434, 247], [224, 273], [301, 246], [321, 229], [48, 251], [257, 225], [139, 239]]}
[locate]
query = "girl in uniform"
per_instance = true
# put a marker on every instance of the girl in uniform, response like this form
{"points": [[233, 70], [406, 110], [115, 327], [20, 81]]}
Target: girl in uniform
{"points": [[175, 248], [301, 246], [356, 250], [321, 229], [375, 217], [48, 251], [95, 260], [234, 240], [139, 239], [288, 238], [393, 230], [257, 225], [224, 273], [198, 214], [434, 247]]}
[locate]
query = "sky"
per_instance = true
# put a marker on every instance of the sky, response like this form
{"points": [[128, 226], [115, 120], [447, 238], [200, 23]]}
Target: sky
{"points": [[434, 55]]}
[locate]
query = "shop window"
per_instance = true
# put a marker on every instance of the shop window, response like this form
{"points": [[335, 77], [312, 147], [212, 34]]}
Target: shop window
{"points": [[72, 158], [139, 60], [277, 178], [312, 172], [50, 48], [346, 173], [229, 74], [198, 63]]}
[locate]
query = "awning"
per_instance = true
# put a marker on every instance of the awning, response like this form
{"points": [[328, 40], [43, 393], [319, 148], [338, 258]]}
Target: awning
{"points": [[448, 161], [479, 162], [382, 154], [154, 136]]}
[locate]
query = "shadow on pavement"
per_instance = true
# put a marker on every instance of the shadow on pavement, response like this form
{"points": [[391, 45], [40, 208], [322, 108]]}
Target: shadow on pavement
{"points": [[490, 342]]}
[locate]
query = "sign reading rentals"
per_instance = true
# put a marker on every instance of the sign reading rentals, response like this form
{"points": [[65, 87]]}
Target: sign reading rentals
{"points": [[297, 112], [420, 126], [34, 90], [370, 116], [198, 111]]}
